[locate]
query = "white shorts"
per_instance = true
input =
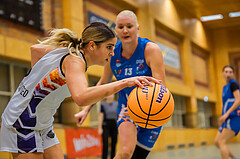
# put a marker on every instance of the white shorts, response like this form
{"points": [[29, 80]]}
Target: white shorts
{"points": [[26, 140]]}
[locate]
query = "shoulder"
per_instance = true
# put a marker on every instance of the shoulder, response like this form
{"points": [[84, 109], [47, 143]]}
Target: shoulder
{"points": [[152, 47], [234, 86]]}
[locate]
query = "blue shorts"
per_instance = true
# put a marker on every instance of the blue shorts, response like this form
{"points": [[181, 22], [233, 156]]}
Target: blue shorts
{"points": [[231, 123], [146, 138]]}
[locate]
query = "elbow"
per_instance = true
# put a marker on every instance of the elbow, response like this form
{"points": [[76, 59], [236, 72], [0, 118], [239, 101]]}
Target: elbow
{"points": [[80, 100]]}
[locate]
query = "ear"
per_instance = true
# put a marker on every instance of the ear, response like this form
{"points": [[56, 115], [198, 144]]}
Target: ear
{"points": [[92, 45], [138, 28]]}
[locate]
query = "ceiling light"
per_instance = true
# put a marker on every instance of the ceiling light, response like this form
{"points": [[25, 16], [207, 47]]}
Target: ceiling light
{"points": [[211, 17], [234, 14]]}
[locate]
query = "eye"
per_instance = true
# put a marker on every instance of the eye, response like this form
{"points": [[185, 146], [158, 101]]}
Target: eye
{"points": [[109, 47], [120, 27], [129, 26]]}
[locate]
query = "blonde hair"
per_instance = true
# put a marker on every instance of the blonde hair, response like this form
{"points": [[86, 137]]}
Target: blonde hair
{"points": [[97, 32], [61, 38], [130, 13]]}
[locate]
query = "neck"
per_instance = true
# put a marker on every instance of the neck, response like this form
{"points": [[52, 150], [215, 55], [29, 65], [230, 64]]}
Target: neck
{"points": [[85, 58], [129, 48], [228, 80]]}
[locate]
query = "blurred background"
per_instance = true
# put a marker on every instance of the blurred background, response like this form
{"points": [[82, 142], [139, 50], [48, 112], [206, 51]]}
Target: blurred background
{"points": [[197, 38]]}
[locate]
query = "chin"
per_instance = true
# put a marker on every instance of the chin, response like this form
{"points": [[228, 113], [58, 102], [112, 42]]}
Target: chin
{"points": [[127, 41]]}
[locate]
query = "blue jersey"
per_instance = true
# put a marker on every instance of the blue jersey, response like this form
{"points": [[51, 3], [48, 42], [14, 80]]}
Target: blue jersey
{"points": [[134, 66], [228, 99]]}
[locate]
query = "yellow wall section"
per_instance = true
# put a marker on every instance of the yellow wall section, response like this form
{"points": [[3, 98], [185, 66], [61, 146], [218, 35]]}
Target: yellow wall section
{"points": [[60, 132], [2, 45], [17, 49], [73, 17], [221, 58]]}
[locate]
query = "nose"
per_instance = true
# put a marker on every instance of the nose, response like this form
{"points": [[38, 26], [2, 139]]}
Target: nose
{"points": [[111, 53], [125, 29]]}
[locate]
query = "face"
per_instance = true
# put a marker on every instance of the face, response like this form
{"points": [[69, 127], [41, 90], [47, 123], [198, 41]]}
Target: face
{"points": [[126, 28], [228, 74], [104, 51]]}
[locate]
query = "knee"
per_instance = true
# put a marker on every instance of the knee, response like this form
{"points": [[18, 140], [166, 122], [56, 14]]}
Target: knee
{"points": [[125, 155], [216, 142], [126, 152], [220, 143]]}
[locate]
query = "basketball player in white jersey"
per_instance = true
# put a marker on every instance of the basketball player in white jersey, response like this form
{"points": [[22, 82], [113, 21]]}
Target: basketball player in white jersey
{"points": [[26, 129]]}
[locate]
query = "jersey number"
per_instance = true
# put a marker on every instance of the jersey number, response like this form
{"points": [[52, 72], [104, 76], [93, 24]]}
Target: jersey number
{"points": [[128, 71]]}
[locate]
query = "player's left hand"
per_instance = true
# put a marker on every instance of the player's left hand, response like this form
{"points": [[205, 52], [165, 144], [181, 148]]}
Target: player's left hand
{"points": [[223, 118], [80, 117]]}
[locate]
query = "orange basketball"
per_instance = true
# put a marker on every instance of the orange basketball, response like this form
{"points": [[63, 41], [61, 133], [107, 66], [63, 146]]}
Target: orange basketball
{"points": [[150, 107]]}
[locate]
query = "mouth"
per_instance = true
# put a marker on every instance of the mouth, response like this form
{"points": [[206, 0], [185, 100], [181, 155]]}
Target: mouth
{"points": [[126, 37]]}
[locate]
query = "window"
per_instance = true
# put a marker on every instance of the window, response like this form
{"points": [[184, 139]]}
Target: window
{"points": [[179, 111], [204, 114]]}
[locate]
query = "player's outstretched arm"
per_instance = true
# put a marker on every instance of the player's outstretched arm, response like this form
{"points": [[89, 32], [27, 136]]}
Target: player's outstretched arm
{"points": [[74, 69]]}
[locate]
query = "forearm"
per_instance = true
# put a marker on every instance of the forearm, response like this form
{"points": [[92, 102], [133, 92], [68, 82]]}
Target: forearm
{"points": [[88, 108], [94, 94], [233, 107]]}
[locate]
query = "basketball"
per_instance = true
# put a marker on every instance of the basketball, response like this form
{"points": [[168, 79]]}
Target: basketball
{"points": [[150, 107]]}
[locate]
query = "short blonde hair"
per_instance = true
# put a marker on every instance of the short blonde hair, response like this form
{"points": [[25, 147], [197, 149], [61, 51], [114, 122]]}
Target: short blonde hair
{"points": [[130, 13]]}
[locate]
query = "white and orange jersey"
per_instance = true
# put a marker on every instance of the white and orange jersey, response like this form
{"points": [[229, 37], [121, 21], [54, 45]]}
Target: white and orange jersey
{"points": [[39, 94]]}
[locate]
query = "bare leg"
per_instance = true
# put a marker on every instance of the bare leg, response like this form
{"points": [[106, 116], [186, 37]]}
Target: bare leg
{"points": [[216, 143], [221, 141], [127, 140], [36, 155], [54, 152]]}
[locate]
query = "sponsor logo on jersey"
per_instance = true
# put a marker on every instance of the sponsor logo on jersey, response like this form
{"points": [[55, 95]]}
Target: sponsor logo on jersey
{"points": [[118, 62], [139, 61], [140, 67]]}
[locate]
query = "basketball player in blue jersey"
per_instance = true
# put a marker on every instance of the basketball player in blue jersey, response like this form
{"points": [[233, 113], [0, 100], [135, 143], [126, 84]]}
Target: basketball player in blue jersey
{"points": [[26, 129], [230, 118], [133, 57]]}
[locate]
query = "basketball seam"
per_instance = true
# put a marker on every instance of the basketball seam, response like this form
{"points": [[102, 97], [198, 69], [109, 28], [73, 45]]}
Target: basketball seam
{"points": [[150, 105], [148, 124], [135, 113], [164, 105], [139, 102], [145, 118]]}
